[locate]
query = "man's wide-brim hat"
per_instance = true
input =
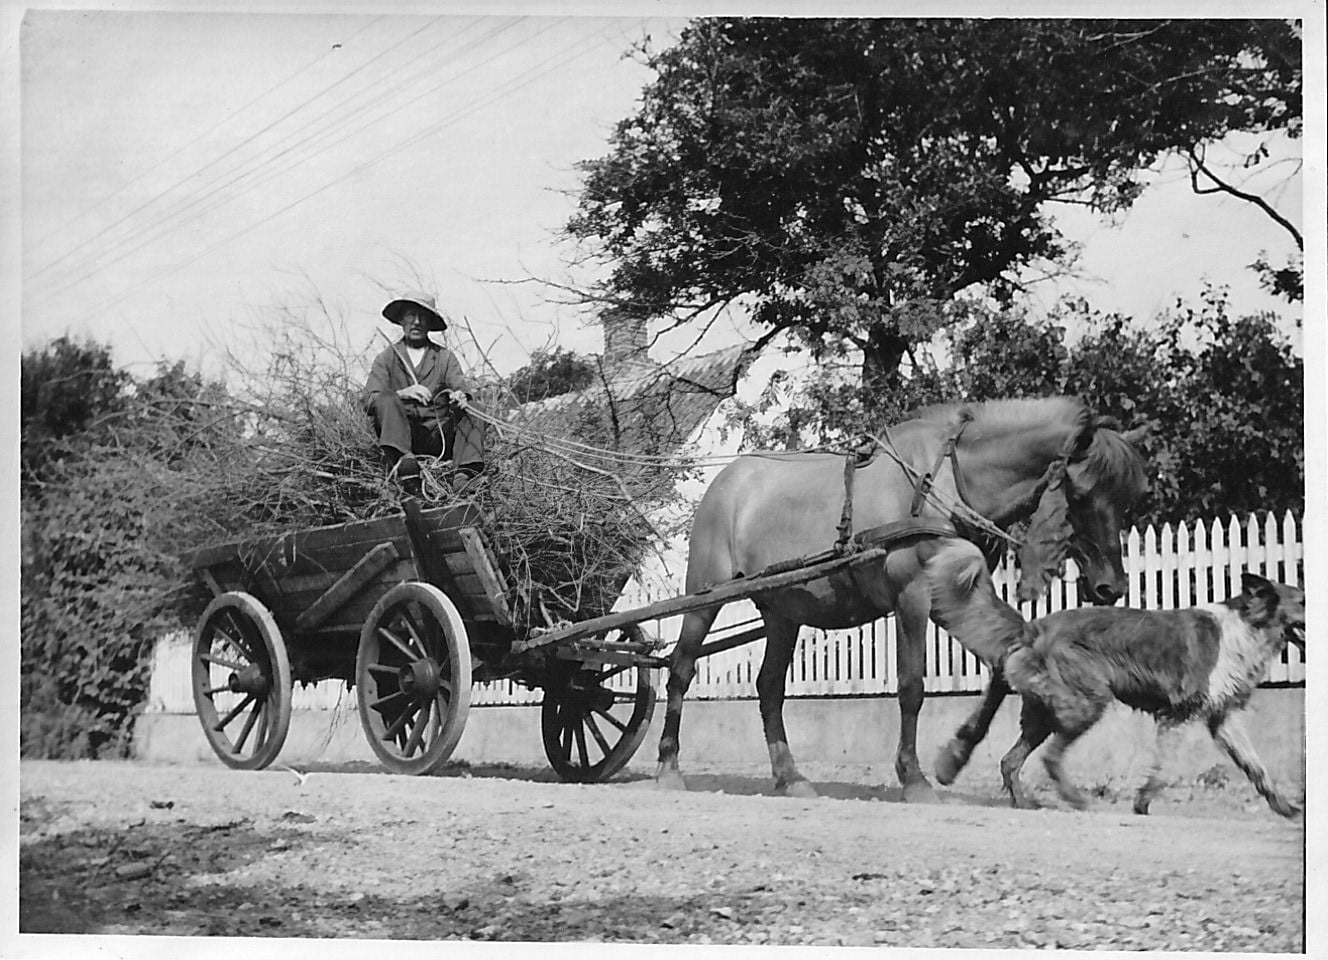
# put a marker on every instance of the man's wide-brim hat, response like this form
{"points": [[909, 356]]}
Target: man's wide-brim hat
{"points": [[394, 309]]}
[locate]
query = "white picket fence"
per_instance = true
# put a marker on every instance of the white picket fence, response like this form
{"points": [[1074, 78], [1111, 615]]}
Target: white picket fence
{"points": [[1175, 567]]}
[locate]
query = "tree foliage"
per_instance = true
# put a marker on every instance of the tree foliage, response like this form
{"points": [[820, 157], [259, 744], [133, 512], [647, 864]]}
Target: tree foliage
{"points": [[845, 179], [550, 373], [1223, 397], [101, 521]]}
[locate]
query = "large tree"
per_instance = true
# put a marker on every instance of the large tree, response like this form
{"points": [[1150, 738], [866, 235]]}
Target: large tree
{"points": [[845, 179]]}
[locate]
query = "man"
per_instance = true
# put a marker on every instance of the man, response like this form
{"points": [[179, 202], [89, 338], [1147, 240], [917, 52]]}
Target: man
{"points": [[417, 397]]}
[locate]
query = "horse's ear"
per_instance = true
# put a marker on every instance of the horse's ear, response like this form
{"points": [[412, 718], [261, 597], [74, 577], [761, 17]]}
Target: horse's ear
{"points": [[1109, 422], [1047, 541]]}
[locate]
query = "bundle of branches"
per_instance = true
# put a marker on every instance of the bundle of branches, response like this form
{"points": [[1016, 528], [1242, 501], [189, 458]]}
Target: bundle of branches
{"points": [[569, 522]]}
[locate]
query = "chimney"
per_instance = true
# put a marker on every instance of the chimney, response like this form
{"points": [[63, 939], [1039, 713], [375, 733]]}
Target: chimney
{"points": [[625, 339]]}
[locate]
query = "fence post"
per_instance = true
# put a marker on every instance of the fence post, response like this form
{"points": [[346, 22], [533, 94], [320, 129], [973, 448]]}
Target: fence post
{"points": [[1220, 558]]}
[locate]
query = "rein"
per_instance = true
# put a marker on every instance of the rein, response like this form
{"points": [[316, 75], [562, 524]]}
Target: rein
{"points": [[961, 512]]}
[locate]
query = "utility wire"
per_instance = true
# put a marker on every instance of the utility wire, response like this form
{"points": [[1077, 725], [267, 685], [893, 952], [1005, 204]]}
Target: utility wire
{"points": [[216, 160], [202, 136], [525, 79], [296, 161]]}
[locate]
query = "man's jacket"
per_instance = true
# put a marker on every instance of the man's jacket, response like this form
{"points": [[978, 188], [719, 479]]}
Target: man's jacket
{"points": [[439, 370]]}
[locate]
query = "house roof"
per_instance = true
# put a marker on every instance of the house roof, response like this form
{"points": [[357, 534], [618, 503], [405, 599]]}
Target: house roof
{"points": [[648, 406]]}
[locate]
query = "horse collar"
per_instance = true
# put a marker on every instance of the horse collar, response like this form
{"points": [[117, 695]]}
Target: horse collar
{"points": [[947, 452]]}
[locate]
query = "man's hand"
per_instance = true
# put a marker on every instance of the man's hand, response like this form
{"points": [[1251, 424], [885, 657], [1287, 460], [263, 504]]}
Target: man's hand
{"points": [[417, 392], [456, 398]]}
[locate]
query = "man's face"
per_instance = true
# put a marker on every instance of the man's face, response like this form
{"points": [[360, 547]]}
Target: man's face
{"points": [[414, 327]]}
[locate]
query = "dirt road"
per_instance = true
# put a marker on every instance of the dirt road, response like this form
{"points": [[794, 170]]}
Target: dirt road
{"points": [[122, 848]]}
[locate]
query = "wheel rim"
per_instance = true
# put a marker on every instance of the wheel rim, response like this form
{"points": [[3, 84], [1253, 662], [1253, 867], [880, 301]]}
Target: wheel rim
{"points": [[413, 674], [241, 681], [594, 719]]}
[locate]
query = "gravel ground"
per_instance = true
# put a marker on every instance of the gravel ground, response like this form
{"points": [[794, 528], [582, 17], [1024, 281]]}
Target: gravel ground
{"points": [[349, 853]]}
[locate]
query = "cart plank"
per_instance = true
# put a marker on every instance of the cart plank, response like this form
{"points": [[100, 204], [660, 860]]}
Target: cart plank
{"points": [[349, 584], [489, 576]]}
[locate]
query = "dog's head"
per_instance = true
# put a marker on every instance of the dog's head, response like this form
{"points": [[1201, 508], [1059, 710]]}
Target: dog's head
{"points": [[1267, 606]]}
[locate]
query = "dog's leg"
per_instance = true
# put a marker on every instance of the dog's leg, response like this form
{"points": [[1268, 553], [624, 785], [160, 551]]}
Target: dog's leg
{"points": [[1230, 733], [1035, 723], [1072, 716], [1053, 760], [1164, 745]]}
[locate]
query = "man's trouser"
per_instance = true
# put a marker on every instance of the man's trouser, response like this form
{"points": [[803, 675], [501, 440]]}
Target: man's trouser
{"points": [[451, 433]]}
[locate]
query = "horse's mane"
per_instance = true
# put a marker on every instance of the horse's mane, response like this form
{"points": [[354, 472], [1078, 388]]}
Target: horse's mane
{"points": [[1020, 412], [1113, 462], [1109, 460]]}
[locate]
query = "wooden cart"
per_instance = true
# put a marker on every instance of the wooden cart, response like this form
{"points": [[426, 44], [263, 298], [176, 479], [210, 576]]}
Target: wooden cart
{"points": [[410, 611]]}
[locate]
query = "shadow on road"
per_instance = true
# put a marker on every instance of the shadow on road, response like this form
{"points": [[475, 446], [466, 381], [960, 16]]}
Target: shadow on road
{"points": [[732, 784]]}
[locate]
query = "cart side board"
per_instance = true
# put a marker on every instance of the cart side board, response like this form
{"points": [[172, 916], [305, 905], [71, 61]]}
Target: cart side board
{"points": [[326, 580]]}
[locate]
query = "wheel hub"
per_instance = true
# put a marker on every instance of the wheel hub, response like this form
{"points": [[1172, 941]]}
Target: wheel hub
{"points": [[250, 680], [422, 679]]}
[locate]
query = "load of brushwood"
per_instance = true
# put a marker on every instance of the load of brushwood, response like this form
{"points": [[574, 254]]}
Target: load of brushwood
{"points": [[571, 499]]}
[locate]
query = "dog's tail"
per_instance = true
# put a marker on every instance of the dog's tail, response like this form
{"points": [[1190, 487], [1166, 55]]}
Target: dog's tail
{"points": [[964, 602]]}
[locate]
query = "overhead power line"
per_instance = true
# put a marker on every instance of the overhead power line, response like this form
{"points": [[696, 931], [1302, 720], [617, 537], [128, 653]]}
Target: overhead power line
{"points": [[202, 136], [523, 80], [211, 163], [247, 180]]}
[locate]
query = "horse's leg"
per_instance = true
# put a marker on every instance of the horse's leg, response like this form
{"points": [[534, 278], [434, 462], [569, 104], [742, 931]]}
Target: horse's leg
{"points": [[781, 639], [1035, 725], [954, 755], [682, 668], [911, 611]]}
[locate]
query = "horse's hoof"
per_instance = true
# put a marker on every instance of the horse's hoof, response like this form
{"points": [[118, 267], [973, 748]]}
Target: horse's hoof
{"points": [[669, 780], [948, 765], [920, 791], [1021, 801], [802, 789], [1141, 807]]}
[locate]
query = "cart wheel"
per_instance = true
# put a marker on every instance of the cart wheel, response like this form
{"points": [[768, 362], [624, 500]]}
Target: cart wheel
{"points": [[242, 681], [591, 729], [413, 674]]}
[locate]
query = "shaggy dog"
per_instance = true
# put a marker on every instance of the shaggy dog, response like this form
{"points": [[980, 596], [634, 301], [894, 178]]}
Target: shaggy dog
{"points": [[1201, 663]]}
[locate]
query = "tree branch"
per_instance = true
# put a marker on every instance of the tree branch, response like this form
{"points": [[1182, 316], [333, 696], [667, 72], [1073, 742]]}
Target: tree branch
{"points": [[1220, 186]]}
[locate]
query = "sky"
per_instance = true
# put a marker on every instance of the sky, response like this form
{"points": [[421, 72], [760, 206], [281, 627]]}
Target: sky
{"points": [[185, 176]]}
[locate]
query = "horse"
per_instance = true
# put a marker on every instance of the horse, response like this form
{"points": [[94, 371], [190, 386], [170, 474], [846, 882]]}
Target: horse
{"points": [[977, 469]]}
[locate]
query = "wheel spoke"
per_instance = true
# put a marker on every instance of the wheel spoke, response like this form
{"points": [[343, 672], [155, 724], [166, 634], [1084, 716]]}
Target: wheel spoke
{"points": [[581, 745], [213, 691], [622, 727], [240, 641], [593, 727], [414, 635], [417, 734], [221, 661], [248, 699], [396, 641], [390, 698], [248, 726], [398, 724], [565, 741], [384, 669]]}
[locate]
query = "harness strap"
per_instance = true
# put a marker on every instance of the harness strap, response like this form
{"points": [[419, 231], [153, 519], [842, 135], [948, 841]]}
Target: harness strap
{"points": [[888, 533], [947, 452], [846, 515]]}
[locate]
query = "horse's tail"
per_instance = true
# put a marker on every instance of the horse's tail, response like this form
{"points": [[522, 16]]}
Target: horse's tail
{"points": [[965, 604]]}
